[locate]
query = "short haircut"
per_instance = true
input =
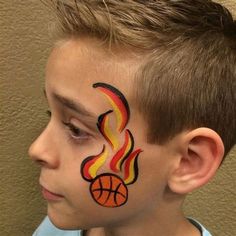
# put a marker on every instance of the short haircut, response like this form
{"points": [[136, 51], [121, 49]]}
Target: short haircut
{"points": [[188, 79]]}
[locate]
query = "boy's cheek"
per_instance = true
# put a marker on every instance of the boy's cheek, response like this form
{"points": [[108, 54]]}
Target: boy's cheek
{"points": [[139, 192], [79, 200], [105, 181]]}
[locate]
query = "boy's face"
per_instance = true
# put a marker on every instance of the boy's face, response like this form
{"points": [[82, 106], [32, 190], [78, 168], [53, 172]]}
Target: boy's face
{"points": [[93, 119]]}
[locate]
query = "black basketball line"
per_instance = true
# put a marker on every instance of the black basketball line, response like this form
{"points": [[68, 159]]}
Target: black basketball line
{"points": [[109, 190], [109, 194], [100, 184], [115, 194]]}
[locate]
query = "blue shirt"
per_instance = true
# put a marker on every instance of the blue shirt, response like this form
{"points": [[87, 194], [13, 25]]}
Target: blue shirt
{"points": [[46, 228]]}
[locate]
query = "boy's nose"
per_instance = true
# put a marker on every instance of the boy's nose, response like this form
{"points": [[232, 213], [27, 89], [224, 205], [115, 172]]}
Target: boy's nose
{"points": [[43, 150]]}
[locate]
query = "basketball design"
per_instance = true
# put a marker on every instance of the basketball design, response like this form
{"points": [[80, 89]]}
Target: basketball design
{"points": [[109, 190]]}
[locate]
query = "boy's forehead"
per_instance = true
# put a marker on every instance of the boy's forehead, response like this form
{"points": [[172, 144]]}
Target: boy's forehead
{"points": [[75, 65], [93, 55]]}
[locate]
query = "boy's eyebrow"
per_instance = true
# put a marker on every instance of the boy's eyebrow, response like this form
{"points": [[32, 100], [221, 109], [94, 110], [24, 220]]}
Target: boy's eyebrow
{"points": [[73, 105]]}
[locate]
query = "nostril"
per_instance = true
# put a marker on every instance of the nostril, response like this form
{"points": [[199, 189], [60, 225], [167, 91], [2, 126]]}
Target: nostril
{"points": [[41, 162]]}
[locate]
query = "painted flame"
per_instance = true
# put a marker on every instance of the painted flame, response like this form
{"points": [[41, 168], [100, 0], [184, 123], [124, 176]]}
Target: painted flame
{"points": [[105, 130], [123, 153], [118, 102], [125, 159], [91, 164], [131, 167]]}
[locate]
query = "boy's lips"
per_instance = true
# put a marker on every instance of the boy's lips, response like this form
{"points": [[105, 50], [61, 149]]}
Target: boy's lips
{"points": [[50, 196]]}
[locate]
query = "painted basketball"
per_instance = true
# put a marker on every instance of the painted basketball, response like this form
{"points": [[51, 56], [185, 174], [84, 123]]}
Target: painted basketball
{"points": [[109, 190]]}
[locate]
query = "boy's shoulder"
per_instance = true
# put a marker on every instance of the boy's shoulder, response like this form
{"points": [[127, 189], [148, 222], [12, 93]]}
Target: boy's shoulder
{"points": [[46, 228]]}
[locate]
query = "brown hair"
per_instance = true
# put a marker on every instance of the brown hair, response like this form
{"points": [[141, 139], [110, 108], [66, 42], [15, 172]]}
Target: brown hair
{"points": [[189, 77]]}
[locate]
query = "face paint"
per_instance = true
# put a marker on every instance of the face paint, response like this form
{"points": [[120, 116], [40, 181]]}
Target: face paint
{"points": [[90, 165], [105, 130], [118, 102], [109, 189]]}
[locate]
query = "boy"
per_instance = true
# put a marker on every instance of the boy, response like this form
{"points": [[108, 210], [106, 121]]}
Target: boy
{"points": [[142, 102]]}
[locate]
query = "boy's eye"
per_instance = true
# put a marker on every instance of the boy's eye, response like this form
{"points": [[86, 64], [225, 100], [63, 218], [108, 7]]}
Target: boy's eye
{"points": [[76, 132]]}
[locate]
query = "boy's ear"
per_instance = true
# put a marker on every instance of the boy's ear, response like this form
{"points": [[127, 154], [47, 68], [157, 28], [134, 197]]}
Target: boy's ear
{"points": [[202, 151]]}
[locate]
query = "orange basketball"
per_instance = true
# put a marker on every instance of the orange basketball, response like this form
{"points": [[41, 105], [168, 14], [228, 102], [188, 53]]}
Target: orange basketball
{"points": [[109, 190]]}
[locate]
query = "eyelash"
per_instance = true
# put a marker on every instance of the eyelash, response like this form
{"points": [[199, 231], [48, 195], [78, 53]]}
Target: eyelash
{"points": [[76, 133]]}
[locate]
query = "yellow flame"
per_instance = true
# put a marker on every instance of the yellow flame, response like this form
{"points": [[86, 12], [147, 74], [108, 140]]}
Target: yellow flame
{"points": [[110, 135], [98, 163], [132, 173]]}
